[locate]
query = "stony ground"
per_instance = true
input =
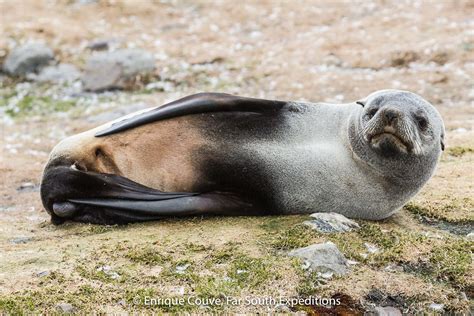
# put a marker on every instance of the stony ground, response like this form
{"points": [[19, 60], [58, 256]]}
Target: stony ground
{"points": [[316, 51]]}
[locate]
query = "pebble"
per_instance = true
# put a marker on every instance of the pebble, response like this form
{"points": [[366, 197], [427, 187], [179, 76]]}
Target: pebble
{"points": [[43, 273], [182, 268], [111, 70], [437, 307], [28, 58], [331, 222], [21, 240], [324, 257], [28, 187], [371, 248], [387, 311], [65, 308], [61, 73]]}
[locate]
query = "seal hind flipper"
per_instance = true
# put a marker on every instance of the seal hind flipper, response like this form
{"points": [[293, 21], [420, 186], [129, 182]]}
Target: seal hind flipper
{"points": [[102, 198], [206, 203], [194, 104]]}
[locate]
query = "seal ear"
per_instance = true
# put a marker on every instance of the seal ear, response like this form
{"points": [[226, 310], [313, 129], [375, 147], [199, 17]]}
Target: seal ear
{"points": [[442, 141]]}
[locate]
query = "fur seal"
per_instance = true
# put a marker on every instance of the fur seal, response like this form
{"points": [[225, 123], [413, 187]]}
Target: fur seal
{"points": [[214, 153]]}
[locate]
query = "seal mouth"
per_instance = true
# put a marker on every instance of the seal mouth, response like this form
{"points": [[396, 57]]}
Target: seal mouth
{"points": [[389, 136]]}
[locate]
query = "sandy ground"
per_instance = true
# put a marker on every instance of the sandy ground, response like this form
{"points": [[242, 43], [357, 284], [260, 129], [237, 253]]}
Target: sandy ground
{"points": [[316, 51]]}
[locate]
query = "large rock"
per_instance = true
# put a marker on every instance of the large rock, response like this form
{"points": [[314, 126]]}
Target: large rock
{"points": [[28, 58], [322, 258], [331, 222], [57, 74], [112, 70]]}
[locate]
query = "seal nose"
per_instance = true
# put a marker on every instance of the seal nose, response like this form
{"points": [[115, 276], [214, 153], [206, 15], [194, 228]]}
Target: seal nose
{"points": [[390, 116]]}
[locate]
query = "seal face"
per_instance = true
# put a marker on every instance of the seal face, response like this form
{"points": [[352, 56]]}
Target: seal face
{"points": [[220, 154], [398, 131]]}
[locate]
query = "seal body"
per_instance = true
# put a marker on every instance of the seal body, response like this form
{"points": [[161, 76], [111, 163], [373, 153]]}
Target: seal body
{"points": [[220, 154]]}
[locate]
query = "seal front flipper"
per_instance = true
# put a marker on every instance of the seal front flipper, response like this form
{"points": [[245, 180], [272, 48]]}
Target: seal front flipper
{"points": [[194, 104]]}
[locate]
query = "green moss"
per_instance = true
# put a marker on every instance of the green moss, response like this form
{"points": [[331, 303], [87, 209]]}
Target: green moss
{"points": [[17, 305], [223, 254], [38, 105], [215, 286], [350, 244], [458, 151], [147, 255], [296, 236], [97, 273], [278, 223], [452, 262], [249, 272], [454, 210], [393, 243], [196, 247]]}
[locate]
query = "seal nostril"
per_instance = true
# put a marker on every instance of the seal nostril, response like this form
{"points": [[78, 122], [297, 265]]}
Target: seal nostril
{"points": [[390, 116]]}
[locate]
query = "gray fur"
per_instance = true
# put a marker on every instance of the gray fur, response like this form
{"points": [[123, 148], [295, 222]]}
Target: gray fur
{"points": [[324, 162]]}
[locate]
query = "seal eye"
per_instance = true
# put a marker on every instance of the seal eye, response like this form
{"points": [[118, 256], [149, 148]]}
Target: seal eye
{"points": [[422, 122], [372, 112]]}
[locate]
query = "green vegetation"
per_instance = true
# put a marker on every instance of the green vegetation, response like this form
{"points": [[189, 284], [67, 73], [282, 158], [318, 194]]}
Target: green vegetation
{"points": [[248, 271], [454, 210], [35, 105], [452, 261], [297, 236], [458, 151], [147, 255]]}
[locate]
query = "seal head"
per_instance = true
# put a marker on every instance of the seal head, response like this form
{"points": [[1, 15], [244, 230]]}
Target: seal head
{"points": [[396, 130]]}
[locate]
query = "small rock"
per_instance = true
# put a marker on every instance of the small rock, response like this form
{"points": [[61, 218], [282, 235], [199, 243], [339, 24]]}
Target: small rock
{"points": [[470, 236], [387, 311], [403, 58], [65, 308], [371, 248], [440, 58], [28, 58], [122, 303], [437, 307], [282, 308], [28, 187], [112, 70], [332, 60], [99, 45], [331, 222], [105, 269], [108, 271], [180, 269], [326, 275], [21, 240], [43, 273], [322, 257], [57, 74], [393, 268]]}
